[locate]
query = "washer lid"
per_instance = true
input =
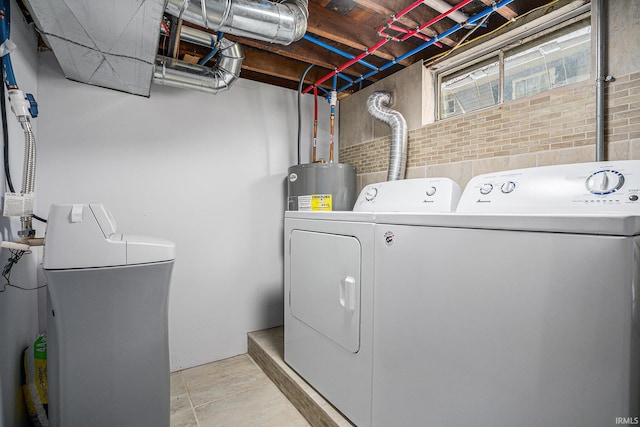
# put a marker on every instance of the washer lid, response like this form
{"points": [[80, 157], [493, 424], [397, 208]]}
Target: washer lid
{"points": [[610, 224]]}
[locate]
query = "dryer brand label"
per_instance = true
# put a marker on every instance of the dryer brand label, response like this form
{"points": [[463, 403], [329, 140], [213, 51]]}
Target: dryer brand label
{"points": [[388, 238], [315, 202]]}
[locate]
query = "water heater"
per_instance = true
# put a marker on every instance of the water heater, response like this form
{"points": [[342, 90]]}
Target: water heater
{"points": [[321, 187]]}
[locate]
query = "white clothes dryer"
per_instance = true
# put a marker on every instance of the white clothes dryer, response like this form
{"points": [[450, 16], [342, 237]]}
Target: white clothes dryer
{"points": [[520, 309], [328, 286]]}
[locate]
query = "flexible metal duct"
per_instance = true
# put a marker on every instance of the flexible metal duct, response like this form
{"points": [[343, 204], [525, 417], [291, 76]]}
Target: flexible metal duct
{"points": [[282, 23], [399, 137], [176, 73]]}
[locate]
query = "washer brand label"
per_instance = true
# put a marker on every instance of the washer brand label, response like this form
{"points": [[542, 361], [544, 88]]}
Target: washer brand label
{"points": [[388, 238], [315, 202]]}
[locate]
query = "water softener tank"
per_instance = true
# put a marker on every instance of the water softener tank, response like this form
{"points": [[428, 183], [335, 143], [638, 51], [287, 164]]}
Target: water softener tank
{"points": [[108, 355], [321, 187]]}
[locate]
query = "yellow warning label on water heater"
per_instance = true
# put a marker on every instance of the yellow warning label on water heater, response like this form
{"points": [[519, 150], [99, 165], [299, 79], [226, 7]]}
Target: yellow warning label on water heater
{"points": [[315, 202]]}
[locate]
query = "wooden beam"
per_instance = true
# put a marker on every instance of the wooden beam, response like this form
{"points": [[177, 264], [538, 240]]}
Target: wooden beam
{"points": [[349, 32], [306, 51], [506, 11], [388, 9], [266, 63]]}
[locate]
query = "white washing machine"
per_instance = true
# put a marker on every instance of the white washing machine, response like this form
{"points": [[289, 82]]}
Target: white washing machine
{"points": [[329, 276], [520, 309]]}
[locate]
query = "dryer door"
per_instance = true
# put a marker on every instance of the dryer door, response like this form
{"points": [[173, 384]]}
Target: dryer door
{"points": [[325, 285]]}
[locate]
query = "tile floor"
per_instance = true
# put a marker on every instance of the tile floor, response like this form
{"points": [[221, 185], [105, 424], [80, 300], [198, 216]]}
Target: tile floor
{"points": [[233, 392]]}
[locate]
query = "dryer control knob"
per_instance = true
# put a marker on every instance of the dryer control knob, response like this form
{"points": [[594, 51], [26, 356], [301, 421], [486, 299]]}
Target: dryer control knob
{"points": [[605, 181], [486, 188], [430, 191], [371, 194], [508, 187]]}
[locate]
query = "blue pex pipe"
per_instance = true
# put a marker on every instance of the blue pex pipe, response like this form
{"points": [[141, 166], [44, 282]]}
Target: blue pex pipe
{"points": [[472, 20], [10, 79], [213, 52], [336, 50]]}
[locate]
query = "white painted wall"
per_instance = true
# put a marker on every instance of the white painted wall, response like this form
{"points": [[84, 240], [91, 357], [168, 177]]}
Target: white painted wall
{"points": [[18, 309], [205, 171]]}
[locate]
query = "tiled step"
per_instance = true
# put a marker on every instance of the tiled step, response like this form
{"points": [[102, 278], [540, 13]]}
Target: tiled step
{"points": [[266, 347]]}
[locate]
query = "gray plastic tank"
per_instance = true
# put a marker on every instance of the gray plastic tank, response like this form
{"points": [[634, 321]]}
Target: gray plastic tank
{"points": [[310, 185], [107, 355]]}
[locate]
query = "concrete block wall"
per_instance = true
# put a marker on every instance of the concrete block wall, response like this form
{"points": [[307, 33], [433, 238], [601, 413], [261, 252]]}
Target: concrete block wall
{"points": [[554, 127]]}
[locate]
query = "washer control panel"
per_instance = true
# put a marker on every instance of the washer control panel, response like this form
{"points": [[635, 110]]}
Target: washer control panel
{"points": [[574, 188], [410, 195]]}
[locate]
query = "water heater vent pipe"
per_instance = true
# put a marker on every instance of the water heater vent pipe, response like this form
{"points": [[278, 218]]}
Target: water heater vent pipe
{"points": [[399, 136]]}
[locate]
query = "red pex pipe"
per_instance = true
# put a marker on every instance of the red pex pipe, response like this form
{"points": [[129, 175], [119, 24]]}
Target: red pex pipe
{"points": [[409, 33], [390, 24], [349, 63], [404, 12], [437, 18], [315, 122]]}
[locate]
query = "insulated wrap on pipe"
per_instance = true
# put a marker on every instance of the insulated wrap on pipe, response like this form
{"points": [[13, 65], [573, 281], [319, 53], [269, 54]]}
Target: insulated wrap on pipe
{"points": [[399, 136]]}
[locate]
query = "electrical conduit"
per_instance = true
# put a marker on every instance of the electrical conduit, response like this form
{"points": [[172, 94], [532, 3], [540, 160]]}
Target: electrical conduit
{"points": [[600, 79], [399, 135]]}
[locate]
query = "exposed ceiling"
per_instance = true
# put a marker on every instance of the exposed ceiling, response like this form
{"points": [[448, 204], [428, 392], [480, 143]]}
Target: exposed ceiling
{"points": [[352, 27]]}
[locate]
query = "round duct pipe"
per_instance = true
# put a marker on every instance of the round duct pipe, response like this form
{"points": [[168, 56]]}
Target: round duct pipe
{"points": [[281, 22], [399, 136], [176, 73]]}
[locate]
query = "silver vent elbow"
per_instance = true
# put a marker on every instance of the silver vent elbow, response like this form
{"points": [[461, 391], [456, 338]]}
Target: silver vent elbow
{"points": [[399, 136]]}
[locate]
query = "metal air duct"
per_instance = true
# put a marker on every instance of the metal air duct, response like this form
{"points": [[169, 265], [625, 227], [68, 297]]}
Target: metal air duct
{"points": [[282, 23], [176, 73], [399, 136], [107, 43]]}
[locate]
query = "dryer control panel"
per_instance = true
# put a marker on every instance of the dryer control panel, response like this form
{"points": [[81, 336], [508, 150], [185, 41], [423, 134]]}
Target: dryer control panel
{"points": [[410, 195], [602, 187]]}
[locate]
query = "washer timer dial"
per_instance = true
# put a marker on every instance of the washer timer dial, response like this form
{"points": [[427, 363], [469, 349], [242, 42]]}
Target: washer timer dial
{"points": [[486, 188], [508, 187], [371, 194], [605, 181]]}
